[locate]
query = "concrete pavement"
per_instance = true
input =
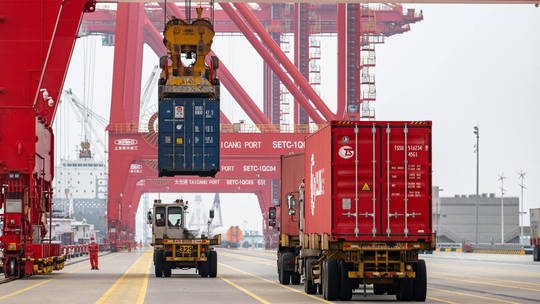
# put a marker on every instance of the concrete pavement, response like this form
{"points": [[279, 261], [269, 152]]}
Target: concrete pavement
{"points": [[249, 276]]}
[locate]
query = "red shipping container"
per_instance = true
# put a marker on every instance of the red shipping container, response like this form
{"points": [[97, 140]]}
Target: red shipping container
{"points": [[369, 181], [292, 174]]}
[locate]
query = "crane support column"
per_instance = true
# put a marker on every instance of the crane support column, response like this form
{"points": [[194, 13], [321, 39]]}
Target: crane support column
{"points": [[124, 117], [35, 51]]}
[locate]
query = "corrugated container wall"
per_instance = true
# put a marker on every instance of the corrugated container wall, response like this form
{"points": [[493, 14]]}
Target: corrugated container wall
{"points": [[188, 136], [369, 181], [535, 226], [292, 174]]}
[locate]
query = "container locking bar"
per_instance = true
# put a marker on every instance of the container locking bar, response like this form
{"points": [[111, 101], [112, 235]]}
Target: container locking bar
{"points": [[356, 230], [406, 165], [374, 171], [388, 215]]}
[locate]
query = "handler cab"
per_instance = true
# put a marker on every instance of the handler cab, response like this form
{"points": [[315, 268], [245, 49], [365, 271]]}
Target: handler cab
{"points": [[175, 246]]}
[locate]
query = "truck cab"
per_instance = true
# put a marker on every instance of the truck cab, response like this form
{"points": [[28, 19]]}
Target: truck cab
{"points": [[169, 221]]}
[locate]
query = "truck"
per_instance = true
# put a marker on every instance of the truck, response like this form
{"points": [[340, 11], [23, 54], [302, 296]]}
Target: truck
{"points": [[175, 246], [355, 210], [188, 100], [231, 237], [535, 233]]}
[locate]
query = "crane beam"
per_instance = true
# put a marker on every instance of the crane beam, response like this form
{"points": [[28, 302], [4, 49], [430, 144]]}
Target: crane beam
{"points": [[535, 2]]}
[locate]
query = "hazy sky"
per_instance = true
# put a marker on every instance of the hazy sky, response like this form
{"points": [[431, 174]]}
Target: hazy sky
{"points": [[462, 65]]}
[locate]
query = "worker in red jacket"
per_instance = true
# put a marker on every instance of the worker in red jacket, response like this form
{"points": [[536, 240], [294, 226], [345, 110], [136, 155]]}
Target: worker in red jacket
{"points": [[93, 250]]}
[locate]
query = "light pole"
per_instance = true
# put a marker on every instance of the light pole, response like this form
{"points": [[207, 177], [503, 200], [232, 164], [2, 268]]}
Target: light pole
{"points": [[476, 132], [501, 179], [521, 212]]}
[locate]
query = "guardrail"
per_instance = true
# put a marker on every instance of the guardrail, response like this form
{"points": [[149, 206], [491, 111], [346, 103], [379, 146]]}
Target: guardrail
{"points": [[75, 251], [484, 248]]}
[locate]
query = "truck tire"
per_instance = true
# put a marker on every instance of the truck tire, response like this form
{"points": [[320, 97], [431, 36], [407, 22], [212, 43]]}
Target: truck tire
{"points": [[346, 284], [379, 289], [420, 281], [406, 290], [536, 254], [167, 271], [204, 268], [283, 275], [309, 287], [330, 280], [12, 268], [295, 278], [158, 263], [212, 259]]}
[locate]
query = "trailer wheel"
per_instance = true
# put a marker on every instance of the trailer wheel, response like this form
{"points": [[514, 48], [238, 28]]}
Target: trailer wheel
{"points": [[330, 280], [309, 287], [158, 263], [420, 281], [406, 290], [12, 268], [283, 275], [295, 278], [379, 289], [536, 254], [346, 284], [212, 258]]}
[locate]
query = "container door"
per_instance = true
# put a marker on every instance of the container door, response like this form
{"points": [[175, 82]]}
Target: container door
{"points": [[407, 183], [188, 136], [205, 135], [356, 155], [172, 134]]}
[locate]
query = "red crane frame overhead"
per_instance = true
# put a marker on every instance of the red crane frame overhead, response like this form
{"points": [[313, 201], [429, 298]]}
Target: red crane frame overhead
{"points": [[153, 38]]}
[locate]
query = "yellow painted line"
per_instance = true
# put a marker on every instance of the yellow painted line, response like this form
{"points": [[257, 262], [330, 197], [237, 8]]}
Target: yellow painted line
{"points": [[275, 283], [272, 254], [142, 292], [242, 289], [476, 269], [130, 286], [18, 292], [24, 289], [251, 259], [481, 281], [473, 295], [503, 281], [441, 300]]}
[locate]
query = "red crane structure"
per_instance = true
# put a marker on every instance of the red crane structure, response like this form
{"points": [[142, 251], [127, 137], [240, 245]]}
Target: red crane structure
{"points": [[36, 42], [270, 22]]}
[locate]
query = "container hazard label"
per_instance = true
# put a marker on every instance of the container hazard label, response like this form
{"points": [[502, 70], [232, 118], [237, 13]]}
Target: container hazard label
{"points": [[365, 187], [179, 112]]}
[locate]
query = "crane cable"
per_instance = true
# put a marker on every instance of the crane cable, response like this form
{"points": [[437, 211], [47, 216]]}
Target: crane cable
{"points": [[164, 15]]}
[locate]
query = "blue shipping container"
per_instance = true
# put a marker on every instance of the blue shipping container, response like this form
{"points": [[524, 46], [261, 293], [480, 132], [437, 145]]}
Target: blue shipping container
{"points": [[188, 136]]}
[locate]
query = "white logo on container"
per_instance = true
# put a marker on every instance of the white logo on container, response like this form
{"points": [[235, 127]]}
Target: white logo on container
{"points": [[346, 152], [317, 184], [135, 167], [125, 142]]}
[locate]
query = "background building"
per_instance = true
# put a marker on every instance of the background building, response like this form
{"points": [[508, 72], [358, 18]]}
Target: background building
{"points": [[454, 218]]}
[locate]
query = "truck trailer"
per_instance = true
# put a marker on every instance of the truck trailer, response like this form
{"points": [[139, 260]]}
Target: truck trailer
{"points": [[355, 209], [535, 233]]}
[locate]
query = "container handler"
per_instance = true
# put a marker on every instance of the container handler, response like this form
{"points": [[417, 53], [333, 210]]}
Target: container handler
{"points": [[177, 247], [189, 115], [356, 210]]}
